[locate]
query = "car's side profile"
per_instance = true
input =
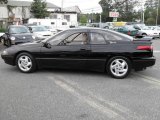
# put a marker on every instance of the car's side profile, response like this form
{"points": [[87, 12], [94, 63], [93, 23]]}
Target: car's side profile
{"points": [[89, 49]]}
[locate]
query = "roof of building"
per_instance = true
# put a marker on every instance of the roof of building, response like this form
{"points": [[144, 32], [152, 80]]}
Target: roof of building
{"points": [[19, 3], [72, 9]]}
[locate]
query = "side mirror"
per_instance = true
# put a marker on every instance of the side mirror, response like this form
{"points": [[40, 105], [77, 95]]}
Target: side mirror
{"points": [[6, 33], [30, 29], [47, 45]]}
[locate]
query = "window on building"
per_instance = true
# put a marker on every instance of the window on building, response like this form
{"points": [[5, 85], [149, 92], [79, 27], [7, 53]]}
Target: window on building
{"points": [[67, 17], [52, 23], [54, 16]]}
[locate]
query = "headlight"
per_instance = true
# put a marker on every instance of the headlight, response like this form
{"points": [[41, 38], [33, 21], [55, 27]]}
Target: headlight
{"points": [[12, 38], [4, 52], [33, 37], [39, 36]]}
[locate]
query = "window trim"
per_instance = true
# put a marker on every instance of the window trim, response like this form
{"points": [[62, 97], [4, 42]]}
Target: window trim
{"points": [[79, 32]]}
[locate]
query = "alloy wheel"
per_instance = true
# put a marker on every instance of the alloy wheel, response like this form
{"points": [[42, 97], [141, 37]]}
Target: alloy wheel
{"points": [[119, 67], [25, 63]]}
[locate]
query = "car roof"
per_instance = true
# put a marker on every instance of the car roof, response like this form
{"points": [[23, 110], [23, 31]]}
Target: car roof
{"points": [[98, 30], [16, 26]]}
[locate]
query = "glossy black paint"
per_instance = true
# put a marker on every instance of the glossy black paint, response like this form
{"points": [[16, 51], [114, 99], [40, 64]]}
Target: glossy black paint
{"points": [[88, 56]]}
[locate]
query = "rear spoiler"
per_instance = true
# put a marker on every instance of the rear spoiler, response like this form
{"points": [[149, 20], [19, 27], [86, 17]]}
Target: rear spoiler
{"points": [[146, 38]]}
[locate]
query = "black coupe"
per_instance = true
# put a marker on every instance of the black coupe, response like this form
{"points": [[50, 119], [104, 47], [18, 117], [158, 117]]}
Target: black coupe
{"points": [[83, 48]]}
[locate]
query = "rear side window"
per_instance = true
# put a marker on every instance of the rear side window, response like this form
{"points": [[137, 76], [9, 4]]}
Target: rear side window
{"points": [[112, 35], [97, 38]]}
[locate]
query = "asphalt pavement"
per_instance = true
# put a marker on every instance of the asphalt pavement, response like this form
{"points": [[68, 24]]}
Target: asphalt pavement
{"points": [[50, 94]]}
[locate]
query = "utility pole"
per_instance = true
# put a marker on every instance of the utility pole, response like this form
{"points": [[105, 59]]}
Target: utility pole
{"points": [[62, 5], [100, 20], [62, 17], [92, 17], [157, 13]]}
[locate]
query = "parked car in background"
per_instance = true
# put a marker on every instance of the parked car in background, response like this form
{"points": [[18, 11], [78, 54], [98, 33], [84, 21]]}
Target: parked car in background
{"points": [[50, 28], [83, 48], [58, 24], [148, 31], [40, 32], [16, 34], [127, 29], [156, 28]]}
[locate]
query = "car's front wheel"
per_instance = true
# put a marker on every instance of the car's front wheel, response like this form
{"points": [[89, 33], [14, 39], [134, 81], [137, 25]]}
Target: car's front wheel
{"points": [[26, 63], [119, 67]]}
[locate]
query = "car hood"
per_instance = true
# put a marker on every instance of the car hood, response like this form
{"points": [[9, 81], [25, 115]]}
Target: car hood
{"points": [[26, 47], [34, 44], [22, 36], [43, 33]]}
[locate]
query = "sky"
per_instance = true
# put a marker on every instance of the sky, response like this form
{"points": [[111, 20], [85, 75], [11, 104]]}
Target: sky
{"points": [[86, 6]]}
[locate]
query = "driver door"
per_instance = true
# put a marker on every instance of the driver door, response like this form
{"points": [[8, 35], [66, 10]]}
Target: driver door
{"points": [[72, 52]]}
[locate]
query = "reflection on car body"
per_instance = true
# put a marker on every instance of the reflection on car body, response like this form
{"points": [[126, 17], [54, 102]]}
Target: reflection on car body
{"points": [[103, 50]]}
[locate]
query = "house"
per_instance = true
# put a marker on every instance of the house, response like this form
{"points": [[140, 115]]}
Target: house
{"points": [[71, 14], [18, 11]]}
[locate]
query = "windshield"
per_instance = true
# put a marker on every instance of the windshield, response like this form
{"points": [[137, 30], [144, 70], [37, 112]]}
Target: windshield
{"points": [[18, 30], [146, 28], [48, 27], [56, 38], [130, 27], [38, 29]]}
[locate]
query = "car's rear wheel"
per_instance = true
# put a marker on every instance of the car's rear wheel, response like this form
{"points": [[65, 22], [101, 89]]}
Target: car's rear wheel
{"points": [[119, 67], [26, 63]]}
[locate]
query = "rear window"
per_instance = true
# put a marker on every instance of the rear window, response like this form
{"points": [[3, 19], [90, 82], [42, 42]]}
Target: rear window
{"points": [[112, 35]]}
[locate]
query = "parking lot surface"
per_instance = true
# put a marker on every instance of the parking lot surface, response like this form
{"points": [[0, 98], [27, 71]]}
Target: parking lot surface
{"points": [[51, 94]]}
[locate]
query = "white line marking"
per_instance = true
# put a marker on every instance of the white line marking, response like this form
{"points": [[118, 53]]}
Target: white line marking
{"points": [[156, 51], [149, 79], [112, 104], [90, 101]]}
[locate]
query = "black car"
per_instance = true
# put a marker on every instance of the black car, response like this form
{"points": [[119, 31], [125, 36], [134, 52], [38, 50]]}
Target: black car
{"points": [[16, 34], [83, 48]]}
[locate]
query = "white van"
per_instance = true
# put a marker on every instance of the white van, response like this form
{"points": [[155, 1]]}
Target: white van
{"points": [[57, 24]]}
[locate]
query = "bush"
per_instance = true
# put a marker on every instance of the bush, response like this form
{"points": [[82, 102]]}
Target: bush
{"points": [[150, 21], [2, 30]]}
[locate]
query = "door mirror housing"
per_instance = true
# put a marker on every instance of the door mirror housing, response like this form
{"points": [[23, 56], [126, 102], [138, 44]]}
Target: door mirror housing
{"points": [[47, 45]]}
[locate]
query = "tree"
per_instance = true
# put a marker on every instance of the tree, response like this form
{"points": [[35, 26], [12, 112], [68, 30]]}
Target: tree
{"points": [[124, 7], [3, 1], [83, 19], [151, 7], [38, 9]]}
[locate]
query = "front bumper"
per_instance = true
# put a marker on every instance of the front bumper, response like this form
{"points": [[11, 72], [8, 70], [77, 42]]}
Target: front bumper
{"points": [[141, 63], [8, 59]]}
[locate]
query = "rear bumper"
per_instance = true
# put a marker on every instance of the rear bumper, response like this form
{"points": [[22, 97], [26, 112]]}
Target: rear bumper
{"points": [[142, 63], [8, 59]]}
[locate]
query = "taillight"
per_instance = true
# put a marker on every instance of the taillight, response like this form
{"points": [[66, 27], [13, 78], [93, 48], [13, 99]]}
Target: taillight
{"points": [[145, 48]]}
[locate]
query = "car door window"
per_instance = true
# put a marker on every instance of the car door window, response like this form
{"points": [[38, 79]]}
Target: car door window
{"points": [[97, 38], [108, 35], [77, 39]]}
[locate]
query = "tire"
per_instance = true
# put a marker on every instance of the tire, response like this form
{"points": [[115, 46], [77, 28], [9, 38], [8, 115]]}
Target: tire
{"points": [[8, 43], [119, 67], [144, 34], [3, 41], [26, 63]]}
